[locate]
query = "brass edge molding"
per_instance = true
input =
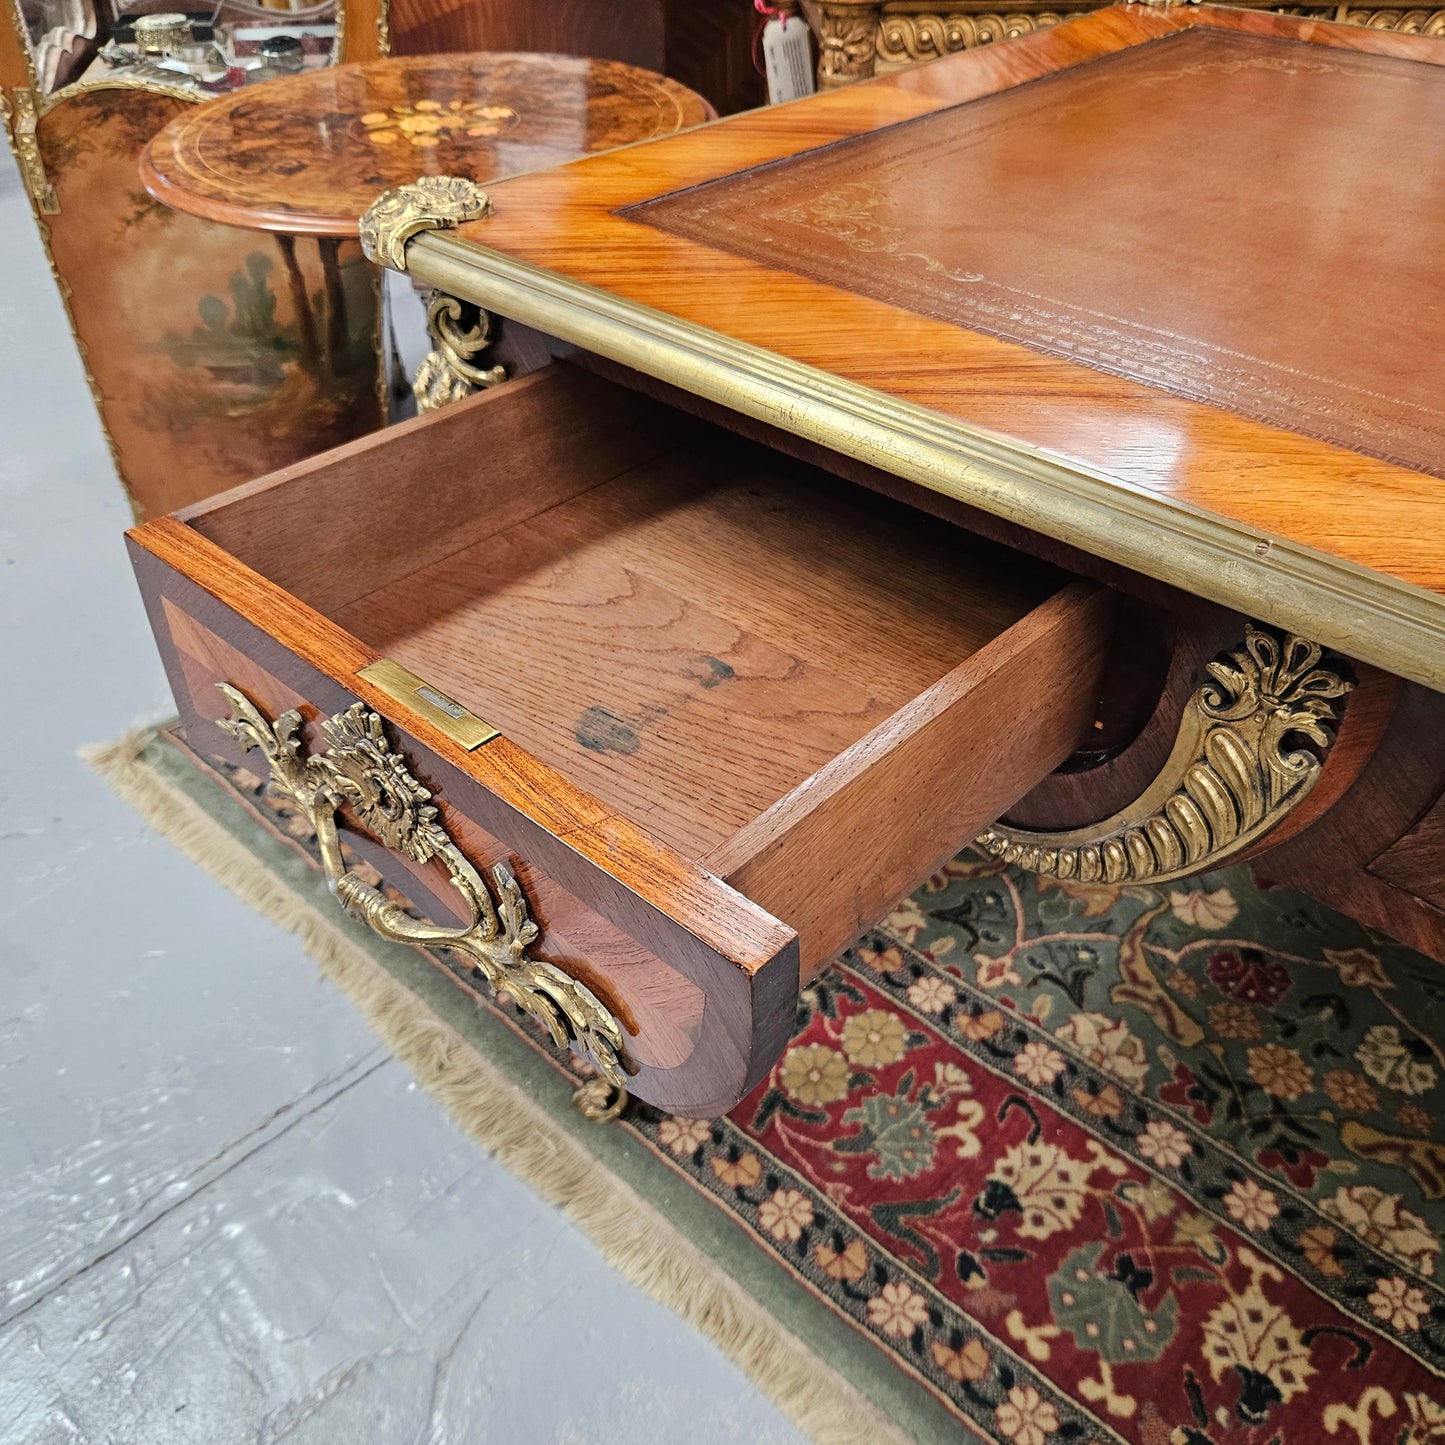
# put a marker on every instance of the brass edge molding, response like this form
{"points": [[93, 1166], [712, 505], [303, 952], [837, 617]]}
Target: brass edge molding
{"points": [[27, 152], [192, 96], [383, 29], [1365, 614], [360, 771], [427, 204], [1234, 774], [450, 371]]}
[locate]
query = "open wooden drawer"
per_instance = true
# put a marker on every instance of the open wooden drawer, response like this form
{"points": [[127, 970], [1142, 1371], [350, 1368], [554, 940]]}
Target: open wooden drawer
{"points": [[742, 705]]}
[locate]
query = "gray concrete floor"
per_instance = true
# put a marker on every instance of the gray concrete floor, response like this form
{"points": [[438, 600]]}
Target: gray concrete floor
{"points": [[226, 1213]]}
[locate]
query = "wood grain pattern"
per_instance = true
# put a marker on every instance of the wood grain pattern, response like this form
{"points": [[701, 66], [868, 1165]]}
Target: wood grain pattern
{"points": [[706, 47], [1336, 858], [693, 639], [1198, 458], [835, 854], [743, 963], [1023, 250], [311, 152], [630, 31], [659, 1007], [451, 479], [1416, 862]]}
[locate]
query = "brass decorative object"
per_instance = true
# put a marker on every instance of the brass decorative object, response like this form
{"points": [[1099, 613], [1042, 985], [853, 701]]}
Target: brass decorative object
{"points": [[27, 152], [846, 31], [401, 685], [600, 1101], [163, 33], [1230, 778], [449, 371], [861, 38], [431, 203], [909, 39], [359, 771]]}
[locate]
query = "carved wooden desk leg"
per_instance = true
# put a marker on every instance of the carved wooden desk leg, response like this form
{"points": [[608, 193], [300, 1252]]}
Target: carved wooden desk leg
{"points": [[450, 370]]}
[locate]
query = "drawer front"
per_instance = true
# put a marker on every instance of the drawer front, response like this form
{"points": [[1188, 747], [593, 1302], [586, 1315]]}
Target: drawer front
{"points": [[740, 707], [701, 982]]}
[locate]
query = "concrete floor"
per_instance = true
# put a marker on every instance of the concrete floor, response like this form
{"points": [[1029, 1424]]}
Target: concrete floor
{"points": [[226, 1214]]}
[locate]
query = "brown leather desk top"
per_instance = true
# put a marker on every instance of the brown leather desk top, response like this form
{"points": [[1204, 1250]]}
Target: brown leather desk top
{"points": [[1164, 283], [1254, 223]]}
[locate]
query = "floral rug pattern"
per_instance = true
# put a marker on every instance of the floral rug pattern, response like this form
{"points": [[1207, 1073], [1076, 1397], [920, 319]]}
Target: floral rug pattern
{"points": [[1091, 1163]]}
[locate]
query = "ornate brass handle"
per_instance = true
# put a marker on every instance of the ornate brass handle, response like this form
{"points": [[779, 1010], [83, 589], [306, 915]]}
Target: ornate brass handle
{"points": [[1229, 779], [359, 770]]}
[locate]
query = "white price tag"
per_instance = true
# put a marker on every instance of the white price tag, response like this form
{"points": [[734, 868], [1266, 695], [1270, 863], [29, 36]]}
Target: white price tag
{"points": [[788, 58]]}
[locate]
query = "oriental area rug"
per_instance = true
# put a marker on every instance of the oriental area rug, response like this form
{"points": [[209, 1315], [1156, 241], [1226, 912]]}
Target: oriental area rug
{"points": [[1042, 1163]]}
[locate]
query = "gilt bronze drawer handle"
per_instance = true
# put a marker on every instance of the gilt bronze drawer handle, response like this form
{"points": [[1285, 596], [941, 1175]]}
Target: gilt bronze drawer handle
{"points": [[1229, 779], [360, 771]]}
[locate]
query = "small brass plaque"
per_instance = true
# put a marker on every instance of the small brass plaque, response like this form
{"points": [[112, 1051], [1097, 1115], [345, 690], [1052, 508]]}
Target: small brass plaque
{"points": [[435, 706]]}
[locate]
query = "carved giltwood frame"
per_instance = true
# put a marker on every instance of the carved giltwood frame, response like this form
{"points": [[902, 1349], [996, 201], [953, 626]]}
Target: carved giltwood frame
{"points": [[858, 39]]}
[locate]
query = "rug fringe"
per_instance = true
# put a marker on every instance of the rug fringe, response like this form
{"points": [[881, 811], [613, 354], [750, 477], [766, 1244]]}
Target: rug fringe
{"points": [[634, 1237]]}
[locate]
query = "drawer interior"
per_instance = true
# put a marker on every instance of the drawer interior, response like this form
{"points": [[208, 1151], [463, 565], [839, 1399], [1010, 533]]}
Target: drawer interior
{"points": [[687, 625], [693, 638]]}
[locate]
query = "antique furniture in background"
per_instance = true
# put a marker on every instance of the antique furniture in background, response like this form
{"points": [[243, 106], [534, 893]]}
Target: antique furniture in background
{"points": [[189, 332], [707, 46], [309, 157], [838, 518], [858, 39]]}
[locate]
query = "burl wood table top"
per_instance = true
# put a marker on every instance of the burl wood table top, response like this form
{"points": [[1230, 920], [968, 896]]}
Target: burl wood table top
{"points": [[1164, 283], [307, 154]]}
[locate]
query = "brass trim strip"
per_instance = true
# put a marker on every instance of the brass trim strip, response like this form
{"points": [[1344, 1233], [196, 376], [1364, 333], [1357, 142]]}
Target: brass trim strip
{"points": [[1362, 613], [461, 726]]}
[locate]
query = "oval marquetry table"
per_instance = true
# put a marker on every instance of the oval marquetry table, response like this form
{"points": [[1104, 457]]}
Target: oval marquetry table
{"points": [[305, 155]]}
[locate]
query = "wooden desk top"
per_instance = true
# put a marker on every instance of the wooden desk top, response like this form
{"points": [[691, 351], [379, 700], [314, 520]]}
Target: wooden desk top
{"points": [[307, 154], [1179, 301]]}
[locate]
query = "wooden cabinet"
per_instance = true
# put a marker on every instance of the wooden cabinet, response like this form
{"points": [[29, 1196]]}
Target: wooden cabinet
{"points": [[192, 334]]}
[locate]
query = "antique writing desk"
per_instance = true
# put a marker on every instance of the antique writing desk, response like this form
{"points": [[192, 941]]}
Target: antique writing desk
{"points": [[1043, 447]]}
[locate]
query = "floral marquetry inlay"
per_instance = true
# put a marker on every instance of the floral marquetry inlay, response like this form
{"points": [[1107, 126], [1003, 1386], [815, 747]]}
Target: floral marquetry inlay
{"points": [[425, 123]]}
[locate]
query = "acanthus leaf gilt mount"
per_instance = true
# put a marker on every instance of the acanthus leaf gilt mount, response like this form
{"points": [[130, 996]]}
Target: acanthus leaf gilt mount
{"points": [[1231, 777], [430, 203], [360, 771]]}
